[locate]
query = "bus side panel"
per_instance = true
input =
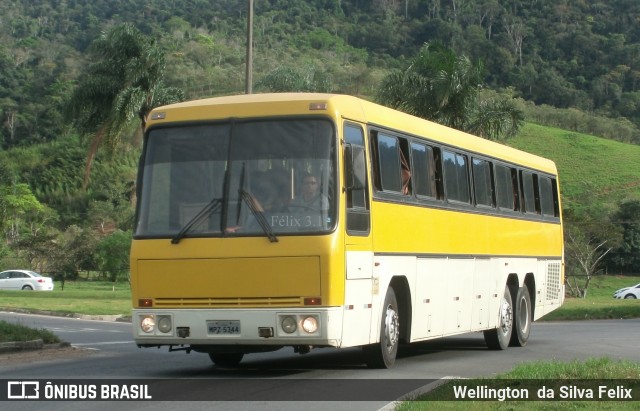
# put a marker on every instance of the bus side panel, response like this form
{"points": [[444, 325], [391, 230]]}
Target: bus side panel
{"points": [[458, 299], [453, 295], [356, 325], [429, 301], [484, 287], [356, 321]]}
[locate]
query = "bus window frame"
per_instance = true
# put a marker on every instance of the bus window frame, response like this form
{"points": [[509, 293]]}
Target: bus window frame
{"points": [[363, 212]]}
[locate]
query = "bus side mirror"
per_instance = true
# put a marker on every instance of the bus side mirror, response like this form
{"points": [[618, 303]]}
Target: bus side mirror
{"points": [[355, 171]]}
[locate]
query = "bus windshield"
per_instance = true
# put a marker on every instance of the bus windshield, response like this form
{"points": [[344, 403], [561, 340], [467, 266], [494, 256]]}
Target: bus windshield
{"points": [[242, 178]]}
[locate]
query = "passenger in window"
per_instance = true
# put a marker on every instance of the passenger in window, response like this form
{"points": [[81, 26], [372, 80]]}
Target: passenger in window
{"points": [[310, 197], [406, 175]]}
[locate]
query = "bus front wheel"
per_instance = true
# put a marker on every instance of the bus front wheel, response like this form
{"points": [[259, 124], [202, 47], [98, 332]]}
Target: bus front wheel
{"points": [[383, 354], [499, 338], [522, 318], [226, 359]]}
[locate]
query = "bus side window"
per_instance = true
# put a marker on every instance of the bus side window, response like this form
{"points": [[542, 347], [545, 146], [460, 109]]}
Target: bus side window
{"points": [[456, 177], [507, 198], [483, 183], [389, 163], [528, 185], [548, 202], [424, 171], [393, 168]]}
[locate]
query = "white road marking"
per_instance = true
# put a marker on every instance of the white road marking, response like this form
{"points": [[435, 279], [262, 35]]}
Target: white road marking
{"points": [[103, 343]]}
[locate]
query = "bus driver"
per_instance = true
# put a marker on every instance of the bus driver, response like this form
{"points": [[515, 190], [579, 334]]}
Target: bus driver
{"points": [[310, 197]]}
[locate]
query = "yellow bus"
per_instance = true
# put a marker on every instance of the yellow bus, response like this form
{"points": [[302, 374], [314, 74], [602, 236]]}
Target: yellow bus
{"points": [[314, 220]]}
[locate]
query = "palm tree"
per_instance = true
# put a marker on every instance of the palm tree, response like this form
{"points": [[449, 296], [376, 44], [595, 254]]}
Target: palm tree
{"points": [[123, 83], [445, 88], [291, 79]]}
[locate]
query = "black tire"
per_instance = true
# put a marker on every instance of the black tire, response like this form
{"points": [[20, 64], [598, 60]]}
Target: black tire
{"points": [[383, 354], [27, 288], [522, 318], [226, 359], [629, 297], [498, 338]]}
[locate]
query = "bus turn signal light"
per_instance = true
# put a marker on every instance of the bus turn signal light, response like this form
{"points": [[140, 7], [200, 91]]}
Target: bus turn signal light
{"points": [[313, 301], [145, 302]]}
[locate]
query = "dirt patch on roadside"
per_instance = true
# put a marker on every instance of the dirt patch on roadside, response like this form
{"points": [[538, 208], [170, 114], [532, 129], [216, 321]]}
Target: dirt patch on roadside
{"points": [[48, 353]]}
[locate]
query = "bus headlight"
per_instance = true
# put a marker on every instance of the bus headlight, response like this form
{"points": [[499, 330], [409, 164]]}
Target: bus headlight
{"points": [[148, 323], [310, 325], [164, 323], [289, 324]]}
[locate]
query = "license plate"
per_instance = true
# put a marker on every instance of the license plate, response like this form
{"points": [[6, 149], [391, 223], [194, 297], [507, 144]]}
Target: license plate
{"points": [[223, 327]]}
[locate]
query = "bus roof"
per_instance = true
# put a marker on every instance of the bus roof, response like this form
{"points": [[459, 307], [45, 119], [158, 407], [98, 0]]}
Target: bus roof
{"points": [[346, 107]]}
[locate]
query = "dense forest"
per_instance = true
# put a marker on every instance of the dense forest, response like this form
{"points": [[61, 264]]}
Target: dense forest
{"points": [[579, 56]]}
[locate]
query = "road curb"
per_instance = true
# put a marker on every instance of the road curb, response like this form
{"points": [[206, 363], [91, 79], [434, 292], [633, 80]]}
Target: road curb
{"points": [[14, 346], [104, 317], [32, 345]]}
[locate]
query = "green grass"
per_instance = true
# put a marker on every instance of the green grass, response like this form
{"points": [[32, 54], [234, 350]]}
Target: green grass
{"points": [[78, 297], [533, 376], [599, 303], [593, 170], [16, 332]]}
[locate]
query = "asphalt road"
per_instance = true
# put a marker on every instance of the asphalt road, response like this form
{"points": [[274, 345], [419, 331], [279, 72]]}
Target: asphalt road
{"points": [[280, 380]]}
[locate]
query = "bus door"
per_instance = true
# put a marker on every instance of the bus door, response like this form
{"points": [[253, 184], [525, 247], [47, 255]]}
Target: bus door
{"points": [[359, 284]]}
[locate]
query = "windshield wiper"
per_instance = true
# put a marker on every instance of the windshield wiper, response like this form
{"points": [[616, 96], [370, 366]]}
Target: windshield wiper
{"points": [[259, 215], [213, 206]]}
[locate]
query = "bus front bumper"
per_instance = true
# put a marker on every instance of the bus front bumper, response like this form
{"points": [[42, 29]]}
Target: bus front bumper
{"points": [[318, 326]]}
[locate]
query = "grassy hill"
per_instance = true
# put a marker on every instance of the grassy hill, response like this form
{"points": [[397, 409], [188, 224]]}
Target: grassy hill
{"points": [[593, 171]]}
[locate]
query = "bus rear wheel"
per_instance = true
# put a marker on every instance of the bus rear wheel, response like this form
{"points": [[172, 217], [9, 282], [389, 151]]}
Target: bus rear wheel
{"points": [[499, 338], [226, 359], [383, 354], [522, 318]]}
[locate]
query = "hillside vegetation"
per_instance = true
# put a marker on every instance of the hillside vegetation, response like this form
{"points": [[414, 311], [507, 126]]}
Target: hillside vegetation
{"points": [[580, 54], [593, 170]]}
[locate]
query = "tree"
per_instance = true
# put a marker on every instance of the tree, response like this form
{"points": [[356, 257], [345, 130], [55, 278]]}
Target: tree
{"points": [[443, 87], [627, 256], [113, 254], [124, 83], [584, 255], [74, 250], [284, 78], [517, 32], [16, 201]]}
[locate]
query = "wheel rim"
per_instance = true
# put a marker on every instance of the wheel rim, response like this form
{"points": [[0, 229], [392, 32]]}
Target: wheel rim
{"points": [[391, 328], [506, 317], [523, 316]]}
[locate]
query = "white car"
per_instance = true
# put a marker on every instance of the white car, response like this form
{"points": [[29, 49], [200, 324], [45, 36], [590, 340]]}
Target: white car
{"points": [[24, 280], [628, 292]]}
